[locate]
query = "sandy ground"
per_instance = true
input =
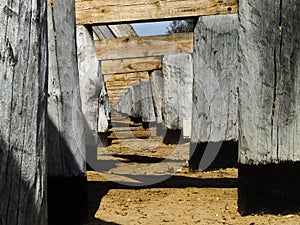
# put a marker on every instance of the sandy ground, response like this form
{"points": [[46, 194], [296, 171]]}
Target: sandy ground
{"points": [[148, 183]]}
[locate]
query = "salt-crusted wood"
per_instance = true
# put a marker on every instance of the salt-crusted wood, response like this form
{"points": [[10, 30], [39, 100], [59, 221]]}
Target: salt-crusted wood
{"points": [[23, 92], [270, 81], [91, 84], [177, 91], [147, 108], [157, 85], [66, 145], [215, 79]]}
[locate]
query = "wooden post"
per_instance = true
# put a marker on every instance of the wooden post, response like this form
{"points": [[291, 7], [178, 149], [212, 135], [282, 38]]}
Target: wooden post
{"points": [[66, 137], [157, 85], [147, 108], [23, 92], [92, 91], [215, 93], [269, 106], [177, 93]]}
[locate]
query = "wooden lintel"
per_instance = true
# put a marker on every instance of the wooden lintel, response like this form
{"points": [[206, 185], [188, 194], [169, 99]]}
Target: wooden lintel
{"points": [[121, 83], [116, 11], [139, 47], [131, 65]]}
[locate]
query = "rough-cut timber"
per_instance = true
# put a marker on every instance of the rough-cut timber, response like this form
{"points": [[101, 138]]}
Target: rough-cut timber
{"points": [[23, 91], [147, 108], [177, 91], [66, 139], [97, 11], [92, 84], [125, 76], [138, 47], [157, 85], [215, 79], [131, 65], [269, 106], [136, 108]]}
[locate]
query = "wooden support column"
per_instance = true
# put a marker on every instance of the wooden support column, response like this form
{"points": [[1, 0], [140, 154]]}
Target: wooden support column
{"points": [[177, 93], [157, 86], [269, 107], [147, 108], [215, 93], [23, 93], [66, 137]]}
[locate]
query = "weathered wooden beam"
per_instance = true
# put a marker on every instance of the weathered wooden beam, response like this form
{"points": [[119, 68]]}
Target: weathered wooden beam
{"points": [[65, 140], [125, 76], [269, 106], [131, 65], [23, 99], [138, 47], [106, 12]]}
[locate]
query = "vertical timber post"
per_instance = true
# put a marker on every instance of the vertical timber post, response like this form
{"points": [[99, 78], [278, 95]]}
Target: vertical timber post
{"points": [[67, 182], [269, 106], [23, 94], [214, 126]]}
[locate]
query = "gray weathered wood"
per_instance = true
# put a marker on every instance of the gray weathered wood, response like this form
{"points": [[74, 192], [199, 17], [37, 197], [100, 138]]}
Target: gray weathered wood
{"points": [[91, 85], [23, 92], [66, 140], [270, 81], [177, 91], [157, 85], [147, 108], [215, 79]]}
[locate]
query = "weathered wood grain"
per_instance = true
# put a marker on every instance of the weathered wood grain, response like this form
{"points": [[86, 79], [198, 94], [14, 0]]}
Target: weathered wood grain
{"points": [[66, 150], [66, 143], [270, 82], [177, 91], [157, 85], [96, 11], [215, 79], [147, 108], [131, 65], [121, 83], [92, 88], [23, 93], [138, 47]]}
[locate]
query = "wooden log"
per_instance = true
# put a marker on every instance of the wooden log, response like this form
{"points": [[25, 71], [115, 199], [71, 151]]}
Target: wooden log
{"points": [[146, 46], [97, 12], [131, 65], [23, 93], [66, 139], [177, 91], [147, 108], [269, 106]]}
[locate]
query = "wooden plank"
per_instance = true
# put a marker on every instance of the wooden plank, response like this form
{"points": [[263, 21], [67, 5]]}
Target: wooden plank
{"points": [[122, 30], [65, 140], [126, 76], [131, 65], [157, 86], [138, 47], [215, 79], [23, 97], [105, 12]]}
